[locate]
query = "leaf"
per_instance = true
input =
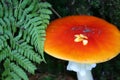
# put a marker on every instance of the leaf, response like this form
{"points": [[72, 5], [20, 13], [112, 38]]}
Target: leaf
{"points": [[1, 30], [45, 11], [44, 5], [19, 71], [22, 61], [24, 3], [4, 53], [44, 16], [1, 11], [22, 34], [14, 76]]}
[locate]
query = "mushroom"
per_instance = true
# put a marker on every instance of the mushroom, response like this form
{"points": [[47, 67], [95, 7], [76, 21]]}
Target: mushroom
{"points": [[83, 41]]}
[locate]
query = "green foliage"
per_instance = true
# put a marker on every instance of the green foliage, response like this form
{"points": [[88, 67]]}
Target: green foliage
{"points": [[22, 35]]}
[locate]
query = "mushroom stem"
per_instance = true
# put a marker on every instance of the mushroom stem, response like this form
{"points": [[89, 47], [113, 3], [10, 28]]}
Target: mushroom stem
{"points": [[85, 76], [83, 70]]}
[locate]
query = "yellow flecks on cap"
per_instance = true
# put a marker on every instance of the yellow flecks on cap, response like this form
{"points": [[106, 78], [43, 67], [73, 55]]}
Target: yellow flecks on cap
{"points": [[81, 37]]}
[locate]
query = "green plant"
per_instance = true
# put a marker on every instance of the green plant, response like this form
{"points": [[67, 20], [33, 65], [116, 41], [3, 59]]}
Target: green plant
{"points": [[22, 35]]}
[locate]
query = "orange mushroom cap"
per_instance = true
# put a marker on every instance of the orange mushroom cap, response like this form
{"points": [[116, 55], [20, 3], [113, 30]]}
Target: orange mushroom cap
{"points": [[84, 39]]}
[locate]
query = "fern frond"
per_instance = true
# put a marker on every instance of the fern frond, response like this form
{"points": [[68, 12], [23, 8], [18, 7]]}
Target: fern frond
{"points": [[3, 41], [20, 13], [12, 67], [28, 52], [1, 8], [2, 22], [34, 33], [5, 8], [14, 76], [35, 38], [22, 35], [14, 29], [24, 3], [30, 8], [7, 69], [7, 21], [25, 49], [44, 16], [44, 5], [31, 21], [45, 11], [22, 61], [19, 71], [4, 53], [27, 10]]}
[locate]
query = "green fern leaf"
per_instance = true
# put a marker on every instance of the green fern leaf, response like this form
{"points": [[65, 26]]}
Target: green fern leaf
{"points": [[19, 71], [14, 76], [7, 69], [3, 41], [45, 11], [1, 13], [22, 35], [14, 29], [44, 5], [25, 49], [22, 61], [1, 29], [7, 21], [2, 22], [5, 8], [44, 16], [4, 54], [31, 7], [20, 11], [24, 4]]}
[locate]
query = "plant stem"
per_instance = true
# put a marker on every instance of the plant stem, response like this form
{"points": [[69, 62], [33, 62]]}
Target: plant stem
{"points": [[54, 11]]}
